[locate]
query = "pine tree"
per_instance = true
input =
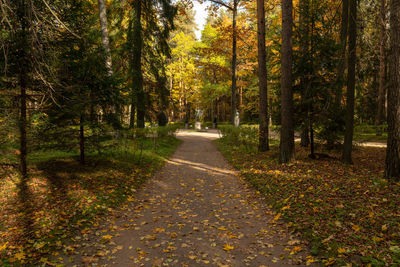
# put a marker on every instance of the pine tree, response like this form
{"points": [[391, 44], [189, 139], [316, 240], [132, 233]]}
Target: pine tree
{"points": [[150, 14], [287, 128], [263, 144], [392, 170], [351, 81]]}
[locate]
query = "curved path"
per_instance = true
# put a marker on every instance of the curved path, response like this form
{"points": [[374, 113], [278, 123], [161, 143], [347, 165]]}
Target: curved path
{"points": [[196, 211]]}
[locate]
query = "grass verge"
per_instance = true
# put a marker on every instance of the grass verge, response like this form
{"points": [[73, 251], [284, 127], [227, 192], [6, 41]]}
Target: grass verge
{"points": [[349, 214], [63, 196]]}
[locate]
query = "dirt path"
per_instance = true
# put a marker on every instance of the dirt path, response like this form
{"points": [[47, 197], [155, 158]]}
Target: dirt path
{"points": [[196, 211]]}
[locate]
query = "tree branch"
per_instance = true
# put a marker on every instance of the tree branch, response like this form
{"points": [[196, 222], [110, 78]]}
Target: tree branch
{"points": [[56, 17], [219, 2]]}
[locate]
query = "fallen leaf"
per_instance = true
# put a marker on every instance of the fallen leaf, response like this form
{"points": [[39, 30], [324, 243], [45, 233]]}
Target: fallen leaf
{"points": [[228, 247]]}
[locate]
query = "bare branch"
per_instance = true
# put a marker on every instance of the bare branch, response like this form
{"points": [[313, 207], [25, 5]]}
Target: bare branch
{"points": [[56, 17], [219, 2]]}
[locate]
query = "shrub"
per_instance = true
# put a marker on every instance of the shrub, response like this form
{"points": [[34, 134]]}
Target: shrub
{"points": [[244, 136]]}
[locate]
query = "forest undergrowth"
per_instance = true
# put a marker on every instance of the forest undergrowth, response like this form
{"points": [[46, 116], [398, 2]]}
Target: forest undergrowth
{"points": [[64, 197], [348, 213]]}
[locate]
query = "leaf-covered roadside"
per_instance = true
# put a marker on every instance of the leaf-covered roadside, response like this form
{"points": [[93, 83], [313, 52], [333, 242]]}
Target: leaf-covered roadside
{"points": [[64, 197], [348, 213]]}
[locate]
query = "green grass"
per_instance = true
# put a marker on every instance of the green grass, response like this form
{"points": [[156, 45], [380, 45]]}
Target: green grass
{"points": [[368, 133], [347, 213], [64, 196]]}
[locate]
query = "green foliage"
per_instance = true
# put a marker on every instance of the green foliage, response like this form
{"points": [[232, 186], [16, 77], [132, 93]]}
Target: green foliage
{"points": [[244, 137], [331, 128], [70, 196], [342, 211], [162, 119]]}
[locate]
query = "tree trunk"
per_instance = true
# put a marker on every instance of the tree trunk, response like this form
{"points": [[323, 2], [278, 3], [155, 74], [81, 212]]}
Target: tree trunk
{"points": [[287, 130], [392, 170], [104, 36], [234, 56], [304, 51], [382, 63], [82, 139], [304, 135], [263, 144], [137, 74], [132, 115], [341, 63], [351, 79], [23, 63]]}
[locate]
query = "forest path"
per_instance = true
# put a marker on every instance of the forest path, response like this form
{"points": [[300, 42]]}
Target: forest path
{"points": [[195, 211]]}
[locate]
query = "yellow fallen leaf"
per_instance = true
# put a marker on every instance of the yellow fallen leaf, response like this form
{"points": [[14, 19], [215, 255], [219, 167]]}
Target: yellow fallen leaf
{"points": [[19, 256], [295, 250], [376, 239], [228, 247], [355, 227], [341, 250], [158, 230], [40, 245], [277, 216], [3, 247], [107, 236], [310, 260], [100, 253]]}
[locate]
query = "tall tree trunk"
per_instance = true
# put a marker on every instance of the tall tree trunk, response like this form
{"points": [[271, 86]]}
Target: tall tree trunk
{"points": [[304, 51], [343, 45], [392, 170], [104, 36], [23, 63], [287, 130], [351, 81], [137, 74], [234, 59], [107, 51], [382, 63], [132, 115], [263, 144], [82, 139]]}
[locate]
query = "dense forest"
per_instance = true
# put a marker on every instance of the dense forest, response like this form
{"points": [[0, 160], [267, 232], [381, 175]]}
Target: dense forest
{"points": [[85, 78]]}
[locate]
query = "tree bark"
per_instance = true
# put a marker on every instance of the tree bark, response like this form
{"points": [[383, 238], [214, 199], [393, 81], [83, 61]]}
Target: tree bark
{"points": [[104, 36], [137, 74], [263, 144], [23, 65], [287, 130], [343, 45], [392, 170], [82, 139], [132, 115], [304, 50], [382, 63], [234, 59], [351, 79]]}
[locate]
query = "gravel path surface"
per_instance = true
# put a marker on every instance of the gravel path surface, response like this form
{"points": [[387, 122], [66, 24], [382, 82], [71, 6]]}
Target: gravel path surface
{"points": [[196, 211]]}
